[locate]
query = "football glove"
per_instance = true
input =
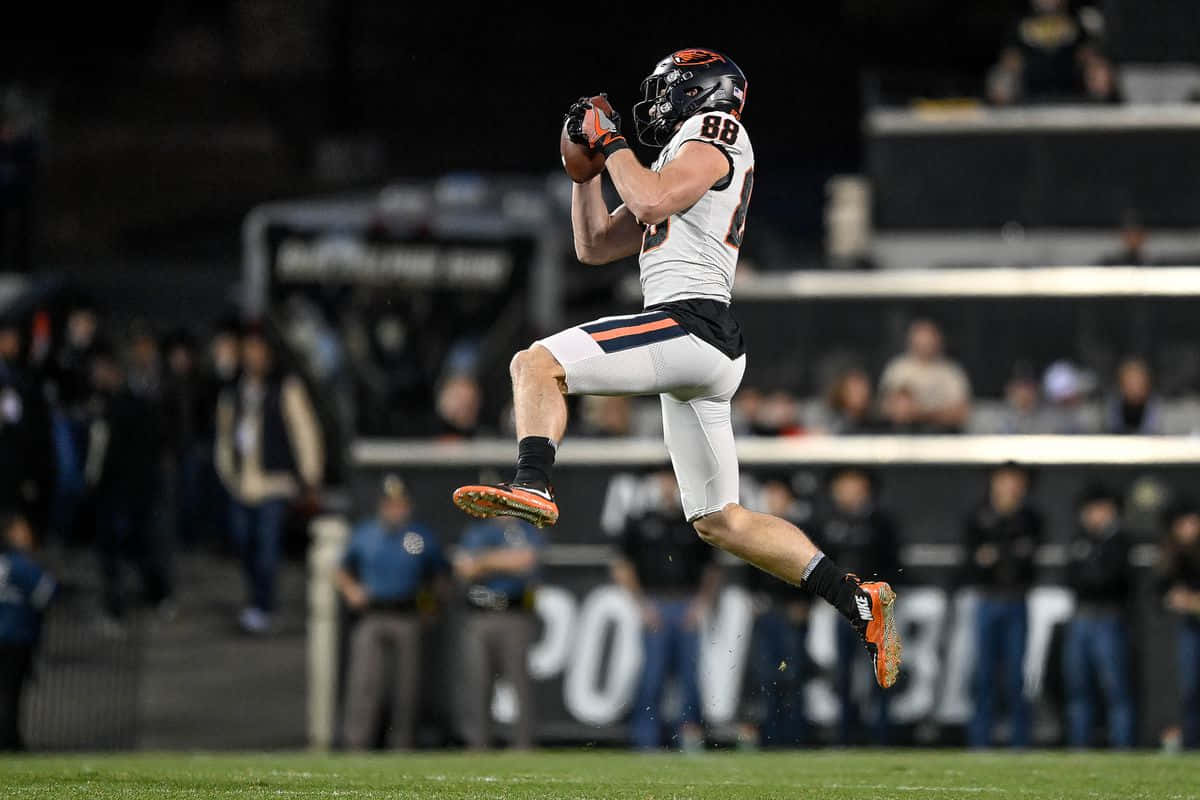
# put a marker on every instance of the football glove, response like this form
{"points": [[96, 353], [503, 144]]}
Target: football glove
{"points": [[594, 127]]}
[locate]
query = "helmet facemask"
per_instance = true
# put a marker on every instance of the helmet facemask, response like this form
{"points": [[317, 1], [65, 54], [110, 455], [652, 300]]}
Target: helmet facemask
{"points": [[676, 91]]}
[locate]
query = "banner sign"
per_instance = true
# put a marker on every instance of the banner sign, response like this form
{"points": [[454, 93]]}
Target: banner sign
{"points": [[588, 656]]}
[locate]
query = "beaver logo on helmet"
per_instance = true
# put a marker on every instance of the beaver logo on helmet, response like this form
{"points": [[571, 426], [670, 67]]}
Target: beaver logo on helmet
{"points": [[682, 85], [696, 56]]}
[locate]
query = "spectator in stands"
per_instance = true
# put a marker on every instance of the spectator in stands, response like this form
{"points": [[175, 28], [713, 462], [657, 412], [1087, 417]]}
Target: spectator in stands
{"points": [[184, 423], [390, 562], [606, 415], [1002, 536], [779, 660], [459, 400], [1179, 580], [497, 564], [940, 389], [1053, 55], [269, 451], [25, 591], [1096, 650], [72, 371], [779, 415], [1134, 408], [1066, 388], [857, 531], [760, 413], [224, 361], [673, 577], [124, 452], [26, 445], [851, 404], [1133, 244], [900, 412], [746, 405], [145, 366], [1022, 412]]}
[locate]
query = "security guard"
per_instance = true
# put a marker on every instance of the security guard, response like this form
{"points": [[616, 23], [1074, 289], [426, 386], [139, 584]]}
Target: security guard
{"points": [[25, 591], [389, 561], [497, 564]]}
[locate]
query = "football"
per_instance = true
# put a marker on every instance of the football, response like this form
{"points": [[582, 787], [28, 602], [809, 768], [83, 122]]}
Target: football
{"points": [[581, 162]]}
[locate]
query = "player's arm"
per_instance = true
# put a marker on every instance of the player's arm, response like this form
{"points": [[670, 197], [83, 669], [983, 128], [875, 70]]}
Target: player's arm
{"points": [[650, 196], [600, 236], [654, 196]]}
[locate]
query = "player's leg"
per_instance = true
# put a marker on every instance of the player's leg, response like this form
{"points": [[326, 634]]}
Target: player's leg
{"points": [[608, 356], [699, 435]]}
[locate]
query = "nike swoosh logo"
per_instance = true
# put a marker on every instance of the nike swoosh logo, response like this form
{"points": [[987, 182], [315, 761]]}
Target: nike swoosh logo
{"points": [[864, 608], [539, 492]]}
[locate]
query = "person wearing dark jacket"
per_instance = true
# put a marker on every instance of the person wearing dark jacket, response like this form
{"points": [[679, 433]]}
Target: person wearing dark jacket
{"points": [[1002, 536], [184, 423], [1179, 573], [857, 531], [778, 658], [269, 452], [26, 446], [1096, 650], [25, 591], [673, 576], [124, 450]]}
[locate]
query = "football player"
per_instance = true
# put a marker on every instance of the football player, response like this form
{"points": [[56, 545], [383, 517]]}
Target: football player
{"points": [[686, 216]]}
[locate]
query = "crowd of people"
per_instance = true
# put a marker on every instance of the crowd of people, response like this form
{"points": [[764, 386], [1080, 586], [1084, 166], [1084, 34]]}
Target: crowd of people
{"points": [[141, 444], [396, 575], [137, 443], [921, 390]]}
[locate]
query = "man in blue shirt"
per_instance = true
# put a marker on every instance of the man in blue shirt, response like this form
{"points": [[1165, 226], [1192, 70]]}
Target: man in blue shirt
{"points": [[497, 565], [388, 563], [25, 591]]}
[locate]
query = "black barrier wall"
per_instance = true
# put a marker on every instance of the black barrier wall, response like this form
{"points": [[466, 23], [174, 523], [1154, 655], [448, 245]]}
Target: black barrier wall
{"points": [[588, 654]]}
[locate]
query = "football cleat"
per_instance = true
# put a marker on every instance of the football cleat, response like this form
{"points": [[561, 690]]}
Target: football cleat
{"points": [[876, 623], [531, 503]]}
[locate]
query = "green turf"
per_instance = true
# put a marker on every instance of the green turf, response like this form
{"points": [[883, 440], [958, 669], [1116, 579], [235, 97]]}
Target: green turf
{"points": [[828, 775]]}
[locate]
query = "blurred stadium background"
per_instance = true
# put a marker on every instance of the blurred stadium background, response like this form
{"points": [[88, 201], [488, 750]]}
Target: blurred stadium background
{"points": [[970, 278]]}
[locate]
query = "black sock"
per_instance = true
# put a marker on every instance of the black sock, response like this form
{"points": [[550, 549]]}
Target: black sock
{"points": [[828, 580], [535, 457]]}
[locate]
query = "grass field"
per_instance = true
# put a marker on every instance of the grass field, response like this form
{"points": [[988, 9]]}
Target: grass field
{"points": [[828, 775]]}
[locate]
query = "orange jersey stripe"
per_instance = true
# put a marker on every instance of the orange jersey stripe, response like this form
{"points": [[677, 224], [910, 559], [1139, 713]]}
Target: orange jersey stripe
{"points": [[616, 333]]}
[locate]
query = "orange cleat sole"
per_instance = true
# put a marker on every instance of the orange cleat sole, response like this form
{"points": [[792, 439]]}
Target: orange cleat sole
{"points": [[495, 501], [883, 633]]}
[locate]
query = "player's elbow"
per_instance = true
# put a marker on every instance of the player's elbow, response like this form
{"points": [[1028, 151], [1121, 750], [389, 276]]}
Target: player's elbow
{"points": [[589, 254], [649, 212]]}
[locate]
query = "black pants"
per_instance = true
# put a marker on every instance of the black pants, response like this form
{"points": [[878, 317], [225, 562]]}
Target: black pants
{"points": [[125, 530], [16, 662]]}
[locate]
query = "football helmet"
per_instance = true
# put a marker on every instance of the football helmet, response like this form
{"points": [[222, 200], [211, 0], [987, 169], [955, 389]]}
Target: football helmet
{"points": [[682, 85]]}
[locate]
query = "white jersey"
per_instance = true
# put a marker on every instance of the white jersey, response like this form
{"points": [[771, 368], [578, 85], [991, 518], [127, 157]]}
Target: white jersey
{"points": [[694, 253]]}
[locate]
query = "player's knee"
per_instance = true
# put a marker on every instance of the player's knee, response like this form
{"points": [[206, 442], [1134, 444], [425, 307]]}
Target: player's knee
{"points": [[534, 362], [723, 527]]}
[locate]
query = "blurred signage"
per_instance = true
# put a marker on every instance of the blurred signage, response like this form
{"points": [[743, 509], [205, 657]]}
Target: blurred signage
{"points": [[588, 655], [342, 259]]}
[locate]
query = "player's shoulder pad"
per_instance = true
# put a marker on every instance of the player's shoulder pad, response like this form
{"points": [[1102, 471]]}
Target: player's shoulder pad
{"points": [[719, 127]]}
